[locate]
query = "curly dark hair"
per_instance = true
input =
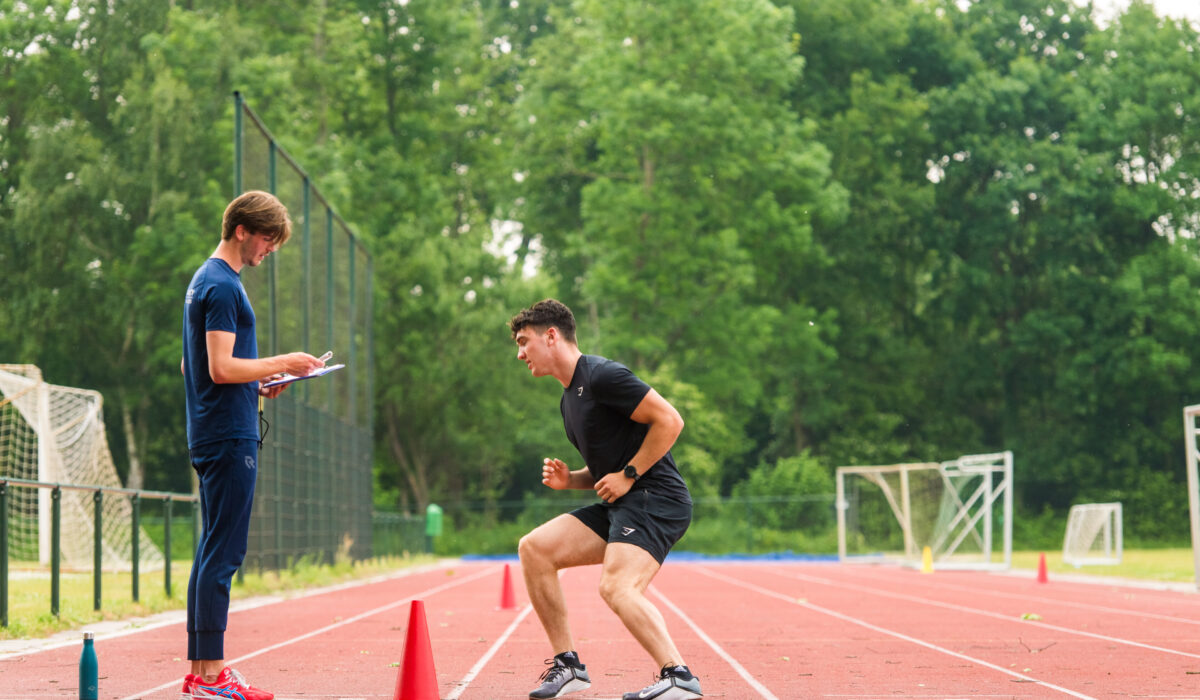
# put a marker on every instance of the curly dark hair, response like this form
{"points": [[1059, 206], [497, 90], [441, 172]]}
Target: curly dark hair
{"points": [[544, 314]]}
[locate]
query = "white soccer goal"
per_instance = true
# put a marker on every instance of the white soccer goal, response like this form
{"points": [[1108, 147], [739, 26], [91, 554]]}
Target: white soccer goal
{"points": [[891, 513], [1093, 535], [55, 434]]}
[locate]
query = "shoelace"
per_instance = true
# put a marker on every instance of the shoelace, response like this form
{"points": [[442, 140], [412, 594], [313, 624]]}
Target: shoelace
{"points": [[551, 674], [665, 676], [237, 676]]}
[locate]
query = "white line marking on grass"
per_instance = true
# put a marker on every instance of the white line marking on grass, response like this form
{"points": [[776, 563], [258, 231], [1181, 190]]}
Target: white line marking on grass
{"points": [[474, 672], [751, 680], [988, 613], [326, 628], [882, 630]]}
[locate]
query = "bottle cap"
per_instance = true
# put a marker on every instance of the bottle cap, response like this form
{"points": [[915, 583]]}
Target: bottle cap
{"points": [[89, 635]]}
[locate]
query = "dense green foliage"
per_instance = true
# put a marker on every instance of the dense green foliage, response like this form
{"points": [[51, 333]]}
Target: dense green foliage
{"points": [[831, 231]]}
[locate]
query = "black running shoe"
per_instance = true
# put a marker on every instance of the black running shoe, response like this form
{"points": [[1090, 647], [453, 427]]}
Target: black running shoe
{"points": [[560, 679], [674, 683]]}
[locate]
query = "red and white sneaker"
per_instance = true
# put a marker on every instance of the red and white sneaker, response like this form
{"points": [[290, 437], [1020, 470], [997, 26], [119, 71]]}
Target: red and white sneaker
{"points": [[230, 685], [188, 681]]}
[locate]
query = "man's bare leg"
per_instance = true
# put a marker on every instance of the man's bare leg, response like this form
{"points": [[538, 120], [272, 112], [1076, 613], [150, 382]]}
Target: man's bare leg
{"points": [[628, 571], [208, 669], [561, 543]]}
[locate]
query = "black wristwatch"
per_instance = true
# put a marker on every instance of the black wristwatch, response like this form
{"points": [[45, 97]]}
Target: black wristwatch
{"points": [[631, 472]]}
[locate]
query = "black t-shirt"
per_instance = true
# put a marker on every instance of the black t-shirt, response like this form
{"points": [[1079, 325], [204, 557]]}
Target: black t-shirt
{"points": [[596, 407]]}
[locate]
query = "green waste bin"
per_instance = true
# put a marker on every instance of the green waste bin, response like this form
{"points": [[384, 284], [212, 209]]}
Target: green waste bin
{"points": [[433, 525]]}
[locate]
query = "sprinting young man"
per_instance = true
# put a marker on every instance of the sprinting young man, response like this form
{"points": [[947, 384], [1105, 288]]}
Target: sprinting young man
{"points": [[624, 430], [222, 372]]}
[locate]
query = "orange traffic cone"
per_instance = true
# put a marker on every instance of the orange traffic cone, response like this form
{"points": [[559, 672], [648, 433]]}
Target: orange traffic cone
{"points": [[417, 679], [1042, 569], [508, 600]]}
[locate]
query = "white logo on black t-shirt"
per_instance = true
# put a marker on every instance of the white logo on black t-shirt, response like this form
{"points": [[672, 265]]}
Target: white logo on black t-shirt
{"points": [[581, 391]]}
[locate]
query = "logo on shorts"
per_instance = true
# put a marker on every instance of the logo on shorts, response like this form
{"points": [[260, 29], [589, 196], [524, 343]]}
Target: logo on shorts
{"points": [[249, 462], [627, 531]]}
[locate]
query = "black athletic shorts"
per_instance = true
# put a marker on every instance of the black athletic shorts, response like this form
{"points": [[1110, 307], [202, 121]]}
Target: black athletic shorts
{"points": [[650, 521]]}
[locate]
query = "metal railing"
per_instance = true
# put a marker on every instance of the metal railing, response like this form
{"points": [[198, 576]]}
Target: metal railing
{"points": [[135, 498]]}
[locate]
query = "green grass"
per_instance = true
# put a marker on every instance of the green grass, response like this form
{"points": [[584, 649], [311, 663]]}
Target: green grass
{"points": [[1171, 565], [29, 595]]}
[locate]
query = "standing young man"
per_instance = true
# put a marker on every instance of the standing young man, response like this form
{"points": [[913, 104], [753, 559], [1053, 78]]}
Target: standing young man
{"points": [[624, 431], [222, 371]]}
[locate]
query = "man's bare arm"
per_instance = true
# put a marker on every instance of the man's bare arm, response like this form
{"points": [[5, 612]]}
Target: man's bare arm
{"points": [[665, 426], [224, 368]]}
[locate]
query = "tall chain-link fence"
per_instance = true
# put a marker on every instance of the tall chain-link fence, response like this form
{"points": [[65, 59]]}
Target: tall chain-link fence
{"points": [[313, 498]]}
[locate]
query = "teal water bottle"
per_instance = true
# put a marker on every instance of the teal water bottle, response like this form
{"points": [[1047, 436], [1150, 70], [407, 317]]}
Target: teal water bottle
{"points": [[89, 670]]}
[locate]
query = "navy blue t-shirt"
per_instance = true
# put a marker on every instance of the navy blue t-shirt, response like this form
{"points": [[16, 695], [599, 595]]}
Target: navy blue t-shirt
{"points": [[596, 408], [217, 301]]}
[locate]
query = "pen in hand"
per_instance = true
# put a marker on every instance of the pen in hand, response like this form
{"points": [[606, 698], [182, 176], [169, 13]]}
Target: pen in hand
{"points": [[326, 356]]}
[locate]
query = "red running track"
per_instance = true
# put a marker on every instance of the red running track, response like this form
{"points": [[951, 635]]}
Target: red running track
{"points": [[749, 630]]}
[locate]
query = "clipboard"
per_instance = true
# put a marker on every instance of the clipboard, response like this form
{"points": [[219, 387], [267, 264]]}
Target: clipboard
{"points": [[289, 378]]}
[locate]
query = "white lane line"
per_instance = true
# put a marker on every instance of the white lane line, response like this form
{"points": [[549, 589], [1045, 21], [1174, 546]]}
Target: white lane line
{"points": [[1068, 603], [988, 613], [326, 628], [483, 660], [882, 630], [751, 680]]}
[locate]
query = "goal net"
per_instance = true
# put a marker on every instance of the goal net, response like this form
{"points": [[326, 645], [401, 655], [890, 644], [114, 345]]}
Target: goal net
{"points": [[55, 434], [892, 513], [1093, 534]]}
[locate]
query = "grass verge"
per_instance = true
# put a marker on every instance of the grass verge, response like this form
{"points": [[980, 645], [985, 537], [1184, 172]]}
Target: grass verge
{"points": [[1171, 565], [29, 592]]}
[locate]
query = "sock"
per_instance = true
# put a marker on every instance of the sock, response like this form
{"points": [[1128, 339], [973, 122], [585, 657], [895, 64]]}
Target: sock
{"points": [[679, 672], [569, 658]]}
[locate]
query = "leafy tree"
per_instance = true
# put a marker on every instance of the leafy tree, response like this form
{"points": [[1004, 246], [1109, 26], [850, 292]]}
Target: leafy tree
{"points": [[104, 208], [792, 493], [674, 190], [425, 162]]}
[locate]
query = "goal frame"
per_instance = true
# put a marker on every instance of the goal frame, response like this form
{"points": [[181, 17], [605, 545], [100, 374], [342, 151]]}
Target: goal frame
{"points": [[974, 516], [1109, 530], [71, 452], [1190, 433]]}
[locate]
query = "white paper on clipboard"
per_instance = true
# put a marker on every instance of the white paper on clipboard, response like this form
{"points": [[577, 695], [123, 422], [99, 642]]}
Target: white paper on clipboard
{"points": [[289, 378]]}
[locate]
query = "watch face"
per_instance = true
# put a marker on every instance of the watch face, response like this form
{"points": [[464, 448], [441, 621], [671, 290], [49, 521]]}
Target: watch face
{"points": [[631, 471]]}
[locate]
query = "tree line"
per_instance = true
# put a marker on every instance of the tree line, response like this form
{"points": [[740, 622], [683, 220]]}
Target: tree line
{"points": [[830, 231]]}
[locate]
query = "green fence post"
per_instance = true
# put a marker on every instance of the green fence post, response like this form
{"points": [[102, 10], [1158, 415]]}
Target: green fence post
{"points": [[749, 527], [352, 380], [237, 143], [4, 553], [167, 545], [135, 506], [329, 451], [97, 546], [276, 407], [55, 536]]}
